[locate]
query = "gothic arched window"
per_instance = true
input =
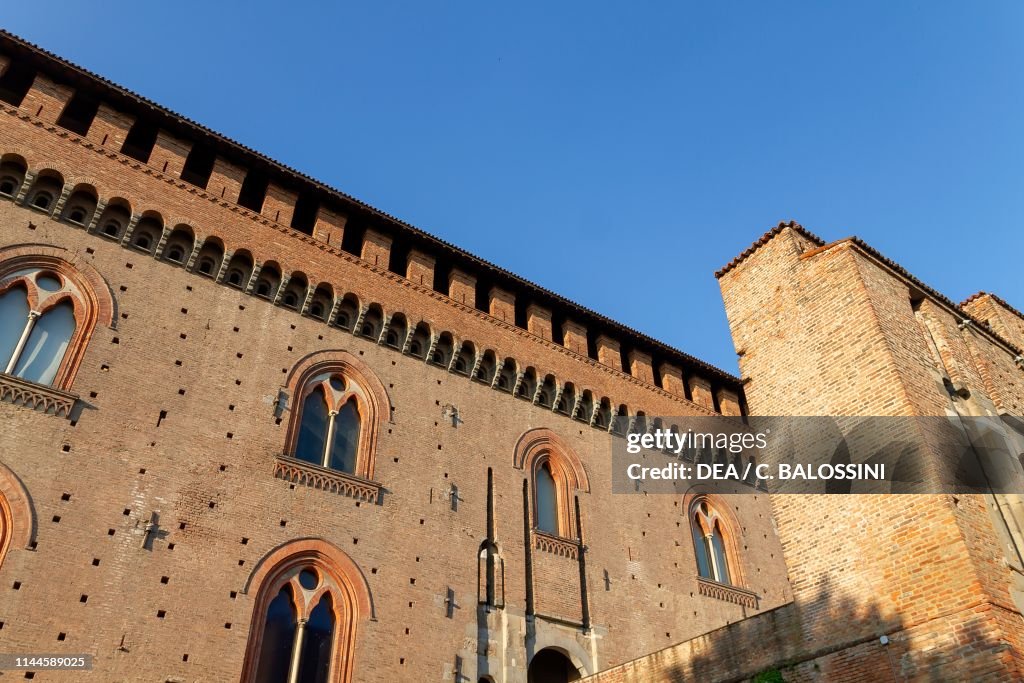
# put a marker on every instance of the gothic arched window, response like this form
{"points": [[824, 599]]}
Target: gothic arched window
{"points": [[555, 476], [547, 499], [709, 542], [310, 599], [336, 412], [37, 323], [330, 424]]}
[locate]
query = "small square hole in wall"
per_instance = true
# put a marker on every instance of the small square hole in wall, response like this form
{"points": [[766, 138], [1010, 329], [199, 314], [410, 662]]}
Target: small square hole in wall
{"points": [[126, 512], [396, 459], [289, 348], [95, 561], [241, 307], [66, 447], [128, 266], [238, 382], [293, 327], [231, 435], [29, 675], [160, 614], [185, 311], [62, 636], [223, 468], [284, 522], [65, 497], [188, 288], [184, 658], [231, 407], [233, 594], [212, 504], [181, 526], [104, 367], [234, 329], [142, 470], [170, 546], [227, 625], [16, 585], [90, 250], [181, 392], [241, 563], [84, 599], [56, 519], [177, 362], [124, 316], [92, 394], [164, 579], [320, 337], [183, 335], [238, 355], [110, 532], [245, 541], [123, 288]]}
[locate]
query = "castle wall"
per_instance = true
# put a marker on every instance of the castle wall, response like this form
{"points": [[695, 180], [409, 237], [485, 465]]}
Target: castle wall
{"points": [[177, 427]]}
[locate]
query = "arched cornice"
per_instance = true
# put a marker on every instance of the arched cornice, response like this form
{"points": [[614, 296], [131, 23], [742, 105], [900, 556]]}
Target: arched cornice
{"points": [[541, 442]]}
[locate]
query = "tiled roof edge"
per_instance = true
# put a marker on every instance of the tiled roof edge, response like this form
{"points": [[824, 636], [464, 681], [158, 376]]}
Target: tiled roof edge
{"points": [[764, 239], [999, 300]]}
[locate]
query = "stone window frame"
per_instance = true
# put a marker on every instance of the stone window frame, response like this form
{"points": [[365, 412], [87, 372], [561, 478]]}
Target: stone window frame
{"points": [[351, 599]]}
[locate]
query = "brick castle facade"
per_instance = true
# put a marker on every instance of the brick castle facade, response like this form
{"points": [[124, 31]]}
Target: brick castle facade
{"points": [[254, 429]]}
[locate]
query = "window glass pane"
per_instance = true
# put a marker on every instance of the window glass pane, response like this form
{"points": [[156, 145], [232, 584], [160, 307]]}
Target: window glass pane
{"points": [[316, 651], [46, 345], [346, 438], [718, 546], [701, 550], [13, 318], [547, 510], [278, 635], [313, 430]]}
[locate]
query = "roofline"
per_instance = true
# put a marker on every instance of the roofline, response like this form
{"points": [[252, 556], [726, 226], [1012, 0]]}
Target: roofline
{"points": [[14, 46], [765, 239], [957, 309], [999, 300]]}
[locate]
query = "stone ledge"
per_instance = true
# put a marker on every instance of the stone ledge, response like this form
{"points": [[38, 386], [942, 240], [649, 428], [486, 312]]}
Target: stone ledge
{"points": [[36, 396], [315, 476], [720, 591], [563, 547]]}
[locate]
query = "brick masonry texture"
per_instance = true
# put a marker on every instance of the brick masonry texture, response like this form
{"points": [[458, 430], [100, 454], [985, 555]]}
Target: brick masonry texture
{"points": [[833, 330], [137, 527], [176, 426]]}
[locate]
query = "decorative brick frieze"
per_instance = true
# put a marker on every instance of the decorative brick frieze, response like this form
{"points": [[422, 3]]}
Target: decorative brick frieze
{"points": [[36, 396], [563, 547], [720, 591], [314, 476]]}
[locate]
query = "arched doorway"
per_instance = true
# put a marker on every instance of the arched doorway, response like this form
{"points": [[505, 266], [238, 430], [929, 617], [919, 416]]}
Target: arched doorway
{"points": [[551, 666]]}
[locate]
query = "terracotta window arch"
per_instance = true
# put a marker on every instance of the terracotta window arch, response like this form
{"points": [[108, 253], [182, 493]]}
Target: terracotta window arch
{"points": [[711, 545], [48, 311], [338, 406], [310, 598], [555, 475]]}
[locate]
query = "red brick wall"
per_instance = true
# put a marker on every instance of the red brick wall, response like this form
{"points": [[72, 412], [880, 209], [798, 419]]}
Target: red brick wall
{"points": [[217, 445]]}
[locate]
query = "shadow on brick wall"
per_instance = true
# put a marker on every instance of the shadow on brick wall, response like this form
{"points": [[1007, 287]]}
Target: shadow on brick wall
{"points": [[831, 637]]}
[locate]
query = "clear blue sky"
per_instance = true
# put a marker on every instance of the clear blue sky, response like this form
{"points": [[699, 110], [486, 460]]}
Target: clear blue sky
{"points": [[615, 154]]}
